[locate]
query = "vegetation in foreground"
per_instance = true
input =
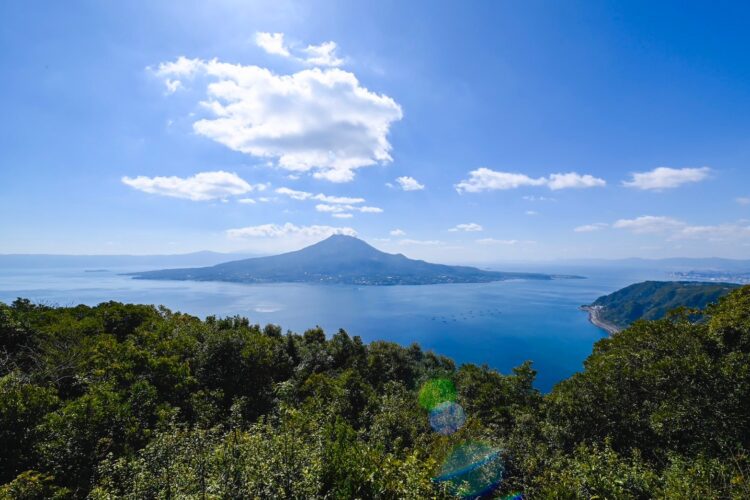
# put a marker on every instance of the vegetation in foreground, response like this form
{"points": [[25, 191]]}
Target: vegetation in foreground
{"points": [[135, 401]]}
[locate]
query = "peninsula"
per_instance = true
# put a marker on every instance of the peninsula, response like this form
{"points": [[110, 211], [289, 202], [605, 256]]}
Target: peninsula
{"points": [[652, 300]]}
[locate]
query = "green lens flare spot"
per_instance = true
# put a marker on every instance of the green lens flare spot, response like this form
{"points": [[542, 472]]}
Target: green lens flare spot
{"points": [[436, 391]]}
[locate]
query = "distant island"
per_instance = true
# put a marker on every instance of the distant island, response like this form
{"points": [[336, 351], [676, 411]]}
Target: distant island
{"points": [[340, 259], [652, 300]]}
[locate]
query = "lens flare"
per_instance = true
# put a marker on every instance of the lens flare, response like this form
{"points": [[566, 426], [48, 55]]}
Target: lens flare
{"points": [[436, 391], [472, 469], [447, 417]]}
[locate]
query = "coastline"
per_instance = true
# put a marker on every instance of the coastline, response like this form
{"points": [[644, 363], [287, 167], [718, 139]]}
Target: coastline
{"points": [[596, 320]]}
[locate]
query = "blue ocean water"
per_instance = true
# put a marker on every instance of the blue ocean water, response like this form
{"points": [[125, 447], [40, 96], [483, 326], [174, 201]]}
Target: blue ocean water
{"points": [[501, 324]]}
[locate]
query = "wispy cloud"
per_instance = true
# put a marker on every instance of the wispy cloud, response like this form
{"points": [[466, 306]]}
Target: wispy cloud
{"points": [[662, 178], [337, 206], [199, 187], [675, 229], [470, 227], [280, 231], [743, 200], [273, 43], [304, 195], [649, 224], [323, 54], [589, 228], [338, 210], [495, 241], [538, 198], [397, 232], [409, 183], [573, 180], [485, 179]]}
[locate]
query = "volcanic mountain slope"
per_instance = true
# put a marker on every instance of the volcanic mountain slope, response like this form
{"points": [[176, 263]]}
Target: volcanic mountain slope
{"points": [[339, 259]]}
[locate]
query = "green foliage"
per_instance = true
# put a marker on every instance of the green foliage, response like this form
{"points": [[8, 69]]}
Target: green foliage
{"points": [[436, 391], [121, 401], [597, 472], [22, 407], [652, 300], [32, 485], [667, 385]]}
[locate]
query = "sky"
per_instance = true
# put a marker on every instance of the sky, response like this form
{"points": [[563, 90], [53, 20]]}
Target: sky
{"points": [[450, 131]]}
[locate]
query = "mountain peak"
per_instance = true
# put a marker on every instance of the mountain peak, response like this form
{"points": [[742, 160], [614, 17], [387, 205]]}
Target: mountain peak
{"points": [[341, 237], [341, 259], [342, 244]]}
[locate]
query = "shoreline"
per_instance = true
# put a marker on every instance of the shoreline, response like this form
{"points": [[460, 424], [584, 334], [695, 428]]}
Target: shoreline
{"points": [[597, 321]]}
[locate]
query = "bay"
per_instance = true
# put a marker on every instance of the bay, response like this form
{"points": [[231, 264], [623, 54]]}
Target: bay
{"points": [[501, 324]]}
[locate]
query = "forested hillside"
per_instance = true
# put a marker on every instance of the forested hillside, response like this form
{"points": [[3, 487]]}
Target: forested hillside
{"points": [[654, 299], [135, 401]]}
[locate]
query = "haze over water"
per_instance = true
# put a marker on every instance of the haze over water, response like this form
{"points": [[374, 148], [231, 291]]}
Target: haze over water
{"points": [[501, 324]]}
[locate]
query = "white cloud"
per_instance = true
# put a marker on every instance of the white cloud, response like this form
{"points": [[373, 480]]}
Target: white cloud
{"points": [[573, 180], [648, 224], [398, 232], [321, 121], [322, 55], [288, 229], [715, 233], [337, 209], [273, 43], [409, 183], [470, 227], [182, 67], [332, 208], [493, 241], [678, 230], [538, 198], [172, 86], [743, 200], [246, 201], [589, 228], [532, 212], [200, 187], [294, 194], [314, 55], [337, 199], [485, 179], [665, 178], [303, 195], [337, 206]]}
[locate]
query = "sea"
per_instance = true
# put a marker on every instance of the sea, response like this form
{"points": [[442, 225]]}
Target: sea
{"points": [[500, 324]]}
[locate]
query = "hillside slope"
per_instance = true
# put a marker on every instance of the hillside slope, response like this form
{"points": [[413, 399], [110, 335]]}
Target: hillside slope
{"points": [[653, 299]]}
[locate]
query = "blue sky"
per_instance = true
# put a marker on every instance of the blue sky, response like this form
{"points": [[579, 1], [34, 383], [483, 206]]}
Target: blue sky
{"points": [[460, 132]]}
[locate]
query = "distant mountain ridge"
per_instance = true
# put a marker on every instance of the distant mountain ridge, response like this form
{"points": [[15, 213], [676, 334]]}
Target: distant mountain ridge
{"points": [[339, 259], [652, 300], [41, 261]]}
